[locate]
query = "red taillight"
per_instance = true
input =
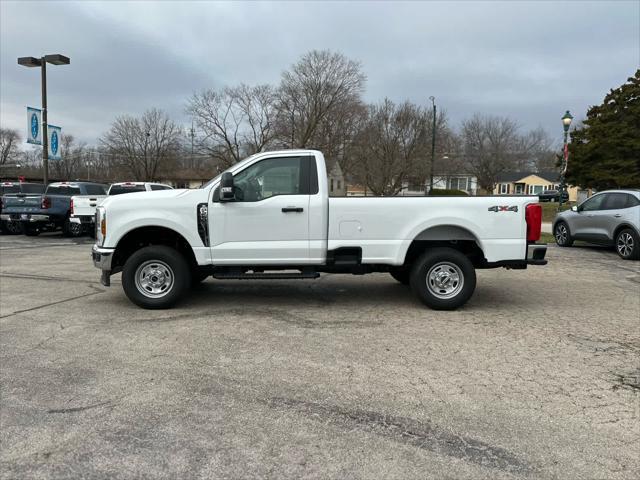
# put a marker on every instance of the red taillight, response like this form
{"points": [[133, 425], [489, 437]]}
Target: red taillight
{"points": [[533, 217], [71, 206], [46, 203]]}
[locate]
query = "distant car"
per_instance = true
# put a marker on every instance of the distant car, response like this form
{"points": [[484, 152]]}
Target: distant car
{"points": [[608, 218], [553, 196], [41, 213], [16, 189], [83, 207]]}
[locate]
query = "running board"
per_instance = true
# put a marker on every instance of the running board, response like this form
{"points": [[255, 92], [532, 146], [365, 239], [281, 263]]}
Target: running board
{"points": [[265, 276]]}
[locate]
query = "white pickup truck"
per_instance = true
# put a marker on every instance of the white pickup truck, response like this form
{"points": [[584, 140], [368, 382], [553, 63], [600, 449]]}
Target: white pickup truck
{"points": [[270, 217], [83, 207]]}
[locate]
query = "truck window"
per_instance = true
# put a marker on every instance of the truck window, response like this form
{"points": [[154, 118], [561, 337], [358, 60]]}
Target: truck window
{"points": [[32, 188], [160, 187], [9, 189], [64, 190], [120, 189], [95, 190], [271, 177]]}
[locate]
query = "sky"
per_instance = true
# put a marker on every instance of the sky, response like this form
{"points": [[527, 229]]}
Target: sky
{"points": [[528, 60]]}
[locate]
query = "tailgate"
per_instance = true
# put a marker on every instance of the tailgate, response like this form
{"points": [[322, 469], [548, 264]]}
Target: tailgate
{"points": [[85, 205], [21, 203]]}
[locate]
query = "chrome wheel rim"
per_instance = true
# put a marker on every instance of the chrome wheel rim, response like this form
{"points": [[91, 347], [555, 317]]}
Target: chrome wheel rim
{"points": [[75, 229], [445, 280], [625, 244], [13, 227], [561, 234], [154, 279]]}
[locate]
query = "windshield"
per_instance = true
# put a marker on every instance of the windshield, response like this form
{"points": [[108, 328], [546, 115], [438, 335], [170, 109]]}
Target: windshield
{"points": [[120, 189]]}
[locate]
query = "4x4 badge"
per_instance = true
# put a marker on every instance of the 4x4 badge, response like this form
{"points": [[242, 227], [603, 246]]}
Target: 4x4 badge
{"points": [[503, 208]]}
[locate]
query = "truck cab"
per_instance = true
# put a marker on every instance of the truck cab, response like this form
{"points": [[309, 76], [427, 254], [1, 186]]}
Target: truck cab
{"points": [[270, 217]]}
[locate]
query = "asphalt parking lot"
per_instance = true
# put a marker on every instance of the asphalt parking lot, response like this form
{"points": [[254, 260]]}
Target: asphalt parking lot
{"points": [[341, 377]]}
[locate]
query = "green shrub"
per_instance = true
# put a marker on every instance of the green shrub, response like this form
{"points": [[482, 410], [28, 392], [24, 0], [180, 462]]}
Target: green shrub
{"points": [[450, 192]]}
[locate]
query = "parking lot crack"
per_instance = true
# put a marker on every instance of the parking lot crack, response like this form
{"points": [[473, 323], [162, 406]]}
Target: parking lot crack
{"points": [[423, 435], [96, 291], [79, 409]]}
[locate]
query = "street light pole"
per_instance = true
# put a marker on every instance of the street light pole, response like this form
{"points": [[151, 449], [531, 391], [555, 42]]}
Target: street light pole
{"points": [[433, 144], [566, 123], [55, 59]]}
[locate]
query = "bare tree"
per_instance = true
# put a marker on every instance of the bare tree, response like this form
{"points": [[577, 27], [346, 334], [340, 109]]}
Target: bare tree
{"points": [[9, 140], [491, 146], [71, 158], [143, 145], [319, 92], [391, 147], [234, 122]]}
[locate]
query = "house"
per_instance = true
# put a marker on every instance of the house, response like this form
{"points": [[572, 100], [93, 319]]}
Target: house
{"points": [[187, 178], [531, 183], [459, 181], [337, 183]]}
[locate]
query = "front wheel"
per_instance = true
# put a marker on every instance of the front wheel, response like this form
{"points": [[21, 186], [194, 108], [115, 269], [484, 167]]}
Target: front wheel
{"points": [[443, 278], [628, 244], [562, 235], [156, 277]]}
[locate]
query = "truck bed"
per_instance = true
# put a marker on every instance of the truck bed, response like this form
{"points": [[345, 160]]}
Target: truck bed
{"points": [[498, 223]]}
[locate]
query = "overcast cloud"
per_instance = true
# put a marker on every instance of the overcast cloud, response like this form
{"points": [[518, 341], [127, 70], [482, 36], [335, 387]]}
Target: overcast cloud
{"points": [[527, 60]]}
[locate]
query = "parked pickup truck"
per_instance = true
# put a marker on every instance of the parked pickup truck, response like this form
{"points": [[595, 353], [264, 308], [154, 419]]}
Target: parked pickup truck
{"points": [[39, 213], [270, 217], [20, 190], [83, 207]]}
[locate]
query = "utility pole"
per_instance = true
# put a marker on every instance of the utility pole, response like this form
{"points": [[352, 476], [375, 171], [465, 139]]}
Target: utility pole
{"points": [[433, 144]]}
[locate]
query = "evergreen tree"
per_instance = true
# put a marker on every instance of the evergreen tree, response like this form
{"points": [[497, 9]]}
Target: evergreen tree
{"points": [[605, 151]]}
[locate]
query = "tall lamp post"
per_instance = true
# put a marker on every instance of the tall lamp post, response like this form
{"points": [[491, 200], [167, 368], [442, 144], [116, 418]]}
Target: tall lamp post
{"points": [[41, 62], [433, 144], [566, 123]]}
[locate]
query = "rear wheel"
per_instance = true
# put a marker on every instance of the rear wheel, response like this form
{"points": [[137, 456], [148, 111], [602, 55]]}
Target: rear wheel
{"points": [[562, 235], [156, 277], [30, 230], [628, 244], [443, 278], [11, 228], [71, 229]]}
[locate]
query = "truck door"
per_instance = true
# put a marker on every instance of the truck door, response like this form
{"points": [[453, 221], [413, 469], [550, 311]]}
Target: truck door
{"points": [[268, 223]]}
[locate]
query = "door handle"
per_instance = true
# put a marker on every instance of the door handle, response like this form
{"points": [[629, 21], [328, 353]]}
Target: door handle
{"points": [[617, 215], [292, 209]]}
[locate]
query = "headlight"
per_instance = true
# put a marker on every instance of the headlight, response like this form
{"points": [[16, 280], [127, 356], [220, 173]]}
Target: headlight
{"points": [[101, 225]]}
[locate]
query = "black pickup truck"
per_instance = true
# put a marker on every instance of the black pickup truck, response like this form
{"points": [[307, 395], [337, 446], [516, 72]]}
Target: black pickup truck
{"points": [[48, 212]]}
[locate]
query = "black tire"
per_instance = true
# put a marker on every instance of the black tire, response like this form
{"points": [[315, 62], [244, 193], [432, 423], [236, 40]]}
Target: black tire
{"points": [[562, 234], [71, 229], [30, 230], [402, 275], [11, 228], [446, 265], [163, 262], [628, 244]]}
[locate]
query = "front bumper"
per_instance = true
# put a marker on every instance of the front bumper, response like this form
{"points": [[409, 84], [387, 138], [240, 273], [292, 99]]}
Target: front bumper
{"points": [[102, 258], [536, 253]]}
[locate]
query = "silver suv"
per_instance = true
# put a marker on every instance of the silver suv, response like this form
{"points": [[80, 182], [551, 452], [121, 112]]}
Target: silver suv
{"points": [[607, 218]]}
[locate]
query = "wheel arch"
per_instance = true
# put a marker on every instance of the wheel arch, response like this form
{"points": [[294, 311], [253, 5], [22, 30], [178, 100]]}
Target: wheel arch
{"points": [[623, 226], [451, 236], [149, 235]]}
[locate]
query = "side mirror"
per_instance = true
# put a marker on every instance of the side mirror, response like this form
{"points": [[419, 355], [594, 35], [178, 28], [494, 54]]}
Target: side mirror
{"points": [[227, 190], [574, 208]]}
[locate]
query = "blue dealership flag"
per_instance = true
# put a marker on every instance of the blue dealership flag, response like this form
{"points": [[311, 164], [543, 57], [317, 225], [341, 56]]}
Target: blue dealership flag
{"points": [[34, 126], [55, 139]]}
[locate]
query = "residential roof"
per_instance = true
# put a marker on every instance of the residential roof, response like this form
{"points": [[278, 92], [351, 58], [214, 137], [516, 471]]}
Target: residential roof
{"points": [[515, 176]]}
